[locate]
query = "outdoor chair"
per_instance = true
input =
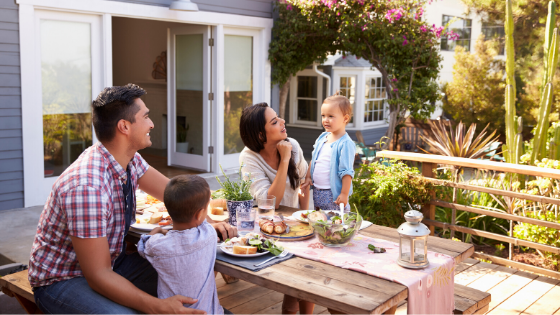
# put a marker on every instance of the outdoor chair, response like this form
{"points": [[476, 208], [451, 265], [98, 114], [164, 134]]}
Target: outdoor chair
{"points": [[491, 153], [365, 152], [411, 140]]}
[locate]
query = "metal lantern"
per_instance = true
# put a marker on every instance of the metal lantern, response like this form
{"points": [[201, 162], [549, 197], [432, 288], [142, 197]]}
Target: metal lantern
{"points": [[413, 239]]}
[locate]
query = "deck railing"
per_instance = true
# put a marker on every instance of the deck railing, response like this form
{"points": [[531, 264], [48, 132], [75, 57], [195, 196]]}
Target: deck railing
{"points": [[429, 164]]}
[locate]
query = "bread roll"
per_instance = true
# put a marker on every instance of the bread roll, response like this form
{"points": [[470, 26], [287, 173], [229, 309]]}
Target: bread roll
{"points": [[155, 218], [217, 211], [279, 227], [244, 250], [266, 226]]}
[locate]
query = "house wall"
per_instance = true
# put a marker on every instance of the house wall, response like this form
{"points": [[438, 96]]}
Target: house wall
{"points": [[11, 145], [260, 8]]}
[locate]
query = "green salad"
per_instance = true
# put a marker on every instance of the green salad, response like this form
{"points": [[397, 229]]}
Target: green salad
{"points": [[336, 230]]}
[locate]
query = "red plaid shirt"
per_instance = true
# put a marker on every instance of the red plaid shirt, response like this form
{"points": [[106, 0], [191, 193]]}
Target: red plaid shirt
{"points": [[87, 202]]}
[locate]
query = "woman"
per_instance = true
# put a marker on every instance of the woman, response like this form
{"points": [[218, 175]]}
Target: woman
{"points": [[277, 167]]}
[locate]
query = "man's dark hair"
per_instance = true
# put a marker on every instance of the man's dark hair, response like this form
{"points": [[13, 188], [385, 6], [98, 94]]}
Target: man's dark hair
{"points": [[184, 195], [113, 104]]}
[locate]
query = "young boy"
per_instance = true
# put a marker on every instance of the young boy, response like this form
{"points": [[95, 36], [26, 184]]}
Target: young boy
{"points": [[184, 257]]}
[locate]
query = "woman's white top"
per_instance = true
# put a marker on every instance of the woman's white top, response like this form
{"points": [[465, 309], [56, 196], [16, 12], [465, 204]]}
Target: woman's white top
{"points": [[263, 175], [322, 171]]}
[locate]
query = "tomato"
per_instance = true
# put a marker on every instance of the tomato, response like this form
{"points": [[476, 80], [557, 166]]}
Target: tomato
{"points": [[164, 222]]}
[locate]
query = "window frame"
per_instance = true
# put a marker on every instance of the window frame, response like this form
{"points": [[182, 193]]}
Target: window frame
{"points": [[294, 99], [444, 37], [385, 109]]}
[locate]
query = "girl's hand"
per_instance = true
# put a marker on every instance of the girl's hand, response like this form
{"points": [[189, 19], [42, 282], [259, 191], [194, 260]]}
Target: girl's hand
{"points": [[306, 182], [285, 150], [342, 198]]}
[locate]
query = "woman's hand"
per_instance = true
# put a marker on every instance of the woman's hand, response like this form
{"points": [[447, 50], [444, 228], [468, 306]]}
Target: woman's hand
{"points": [[285, 150]]}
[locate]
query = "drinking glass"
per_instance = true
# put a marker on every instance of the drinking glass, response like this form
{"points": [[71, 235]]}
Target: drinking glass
{"points": [[266, 207], [245, 220]]}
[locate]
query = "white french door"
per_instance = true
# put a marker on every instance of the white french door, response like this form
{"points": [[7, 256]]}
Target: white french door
{"points": [[189, 99], [65, 72]]}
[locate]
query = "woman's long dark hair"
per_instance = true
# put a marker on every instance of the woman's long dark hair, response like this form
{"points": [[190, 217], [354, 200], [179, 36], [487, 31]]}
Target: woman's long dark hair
{"points": [[253, 134]]}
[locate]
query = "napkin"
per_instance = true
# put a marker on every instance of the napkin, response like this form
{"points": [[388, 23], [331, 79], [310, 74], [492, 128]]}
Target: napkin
{"points": [[249, 262], [365, 224]]}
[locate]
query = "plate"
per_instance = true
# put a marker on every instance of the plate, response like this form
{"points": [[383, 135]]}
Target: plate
{"points": [[149, 227], [297, 215], [230, 252], [298, 231]]}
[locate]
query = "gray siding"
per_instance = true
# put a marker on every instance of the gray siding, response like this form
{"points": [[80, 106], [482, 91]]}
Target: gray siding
{"points": [[306, 137], [260, 8], [11, 153]]}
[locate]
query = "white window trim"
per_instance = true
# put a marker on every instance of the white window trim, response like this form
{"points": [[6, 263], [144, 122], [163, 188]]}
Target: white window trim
{"points": [[105, 10], [359, 73], [385, 106], [293, 99]]}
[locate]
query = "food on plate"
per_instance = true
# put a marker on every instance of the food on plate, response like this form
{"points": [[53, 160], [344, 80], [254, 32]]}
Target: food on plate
{"points": [[140, 203], [161, 207], [266, 226], [217, 211], [155, 218], [244, 250], [165, 222], [140, 212], [334, 230], [151, 200], [218, 203], [253, 240], [280, 227], [304, 215], [316, 216]]}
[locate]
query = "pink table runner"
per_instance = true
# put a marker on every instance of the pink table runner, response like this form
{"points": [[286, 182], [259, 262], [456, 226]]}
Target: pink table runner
{"points": [[430, 290]]}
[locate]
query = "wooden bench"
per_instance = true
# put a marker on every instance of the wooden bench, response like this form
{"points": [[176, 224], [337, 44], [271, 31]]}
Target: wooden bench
{"points": [[467, 300]]}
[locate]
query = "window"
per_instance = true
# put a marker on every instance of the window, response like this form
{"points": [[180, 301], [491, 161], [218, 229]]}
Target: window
{"points": [[495, 32], [307, 98], [460, 26], [375, 95], [348, 89]]}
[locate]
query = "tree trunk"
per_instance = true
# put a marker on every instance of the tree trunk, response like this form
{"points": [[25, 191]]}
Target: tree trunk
{"points": [[283, 98], [393, 115]]}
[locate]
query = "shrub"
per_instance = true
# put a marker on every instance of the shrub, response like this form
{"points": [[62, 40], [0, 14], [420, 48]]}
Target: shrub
{"points": [[384, 191]]}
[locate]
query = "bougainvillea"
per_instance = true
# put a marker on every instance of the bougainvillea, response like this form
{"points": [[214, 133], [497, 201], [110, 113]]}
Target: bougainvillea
{"points": [[390, 34]]}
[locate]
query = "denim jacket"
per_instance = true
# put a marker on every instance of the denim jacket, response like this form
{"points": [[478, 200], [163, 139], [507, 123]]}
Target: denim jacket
{"points": [[342, 160]]}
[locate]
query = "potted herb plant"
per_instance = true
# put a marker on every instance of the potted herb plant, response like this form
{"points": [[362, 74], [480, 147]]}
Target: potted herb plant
{"points": [[182, 144], [237, 195]]}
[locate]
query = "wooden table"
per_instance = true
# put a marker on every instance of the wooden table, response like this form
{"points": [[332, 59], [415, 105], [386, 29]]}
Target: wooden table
{"points": [[336, 288]]}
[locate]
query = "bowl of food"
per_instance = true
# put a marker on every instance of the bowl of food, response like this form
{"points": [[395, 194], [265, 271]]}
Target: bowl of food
{"points": [[332, 230]]}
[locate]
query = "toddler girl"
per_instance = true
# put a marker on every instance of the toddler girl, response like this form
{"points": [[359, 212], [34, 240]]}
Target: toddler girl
{"points": [[331, 168]]}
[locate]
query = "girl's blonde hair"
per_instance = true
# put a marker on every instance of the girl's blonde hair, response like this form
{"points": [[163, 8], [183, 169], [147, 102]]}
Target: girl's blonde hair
{"points": [[343, 103]]}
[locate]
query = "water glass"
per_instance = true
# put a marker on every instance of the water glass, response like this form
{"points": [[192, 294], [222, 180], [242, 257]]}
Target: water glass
{"points": [[266, 207], [245, 220]]}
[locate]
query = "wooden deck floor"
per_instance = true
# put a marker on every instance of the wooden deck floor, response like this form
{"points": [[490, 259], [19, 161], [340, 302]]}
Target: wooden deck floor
{"points": [[513, 292]]}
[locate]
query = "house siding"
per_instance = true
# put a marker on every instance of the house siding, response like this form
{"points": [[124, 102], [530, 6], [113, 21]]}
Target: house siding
{"points": [[259, 8], [11, 153], [307, 136]]}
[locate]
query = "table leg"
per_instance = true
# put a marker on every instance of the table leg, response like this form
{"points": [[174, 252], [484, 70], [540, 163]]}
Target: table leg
{"points": [[334, 311], [392, 310], [229, 279]]}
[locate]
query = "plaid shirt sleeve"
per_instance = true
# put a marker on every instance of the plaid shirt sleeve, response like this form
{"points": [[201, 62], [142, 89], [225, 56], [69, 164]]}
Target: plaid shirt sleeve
{"points": [[141, 165], [86, 209]]}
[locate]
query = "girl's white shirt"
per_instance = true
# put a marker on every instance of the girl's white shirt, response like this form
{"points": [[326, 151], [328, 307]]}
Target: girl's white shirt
{"points": [[321, 174]]}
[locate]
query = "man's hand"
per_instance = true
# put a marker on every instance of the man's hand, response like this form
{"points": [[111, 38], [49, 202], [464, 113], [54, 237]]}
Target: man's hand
{"points": [[342, 198], [158, 230], [225, 230], [174, 305]]}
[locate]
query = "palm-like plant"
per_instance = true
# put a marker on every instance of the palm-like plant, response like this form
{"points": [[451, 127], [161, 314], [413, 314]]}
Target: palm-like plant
{"points": [[458, 142]]}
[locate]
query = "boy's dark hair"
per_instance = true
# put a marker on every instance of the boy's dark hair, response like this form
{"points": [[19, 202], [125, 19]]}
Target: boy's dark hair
{"points": [[113, 104], [184, 195]]}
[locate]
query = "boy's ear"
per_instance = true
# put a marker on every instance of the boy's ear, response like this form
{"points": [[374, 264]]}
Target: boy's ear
{"points": [[201, 214]]}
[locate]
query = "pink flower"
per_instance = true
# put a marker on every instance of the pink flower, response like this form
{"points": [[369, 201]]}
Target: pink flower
{"points": [[394, 80], [394, 14], [423, 29], [289, 7], [363, 28], [419, 13], [405, 41]]}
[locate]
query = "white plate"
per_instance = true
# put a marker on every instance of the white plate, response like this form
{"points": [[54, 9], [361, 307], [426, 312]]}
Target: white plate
{"points": [[149, 227], [297, 215], [229, 251]]}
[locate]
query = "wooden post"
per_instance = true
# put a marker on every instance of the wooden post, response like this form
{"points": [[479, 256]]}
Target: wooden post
{"points": [[429, 210]]}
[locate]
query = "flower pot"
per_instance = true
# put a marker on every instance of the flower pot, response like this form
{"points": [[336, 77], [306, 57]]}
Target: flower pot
{"points": [[182, 147], [234, 206]]}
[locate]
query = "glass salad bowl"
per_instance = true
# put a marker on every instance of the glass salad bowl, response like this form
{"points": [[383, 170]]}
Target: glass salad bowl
{"points": [[332, 230]]}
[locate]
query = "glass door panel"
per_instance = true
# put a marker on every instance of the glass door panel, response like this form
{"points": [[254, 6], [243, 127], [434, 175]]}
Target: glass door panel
{"points": [[238, 87], [188, 104], [66, 75]]}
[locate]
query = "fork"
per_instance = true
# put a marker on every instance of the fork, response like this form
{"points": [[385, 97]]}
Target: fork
{"points": [[287, 226], [282, 254]]}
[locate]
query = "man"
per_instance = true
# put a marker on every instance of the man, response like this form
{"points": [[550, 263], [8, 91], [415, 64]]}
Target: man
{"points": [[78, 262]]}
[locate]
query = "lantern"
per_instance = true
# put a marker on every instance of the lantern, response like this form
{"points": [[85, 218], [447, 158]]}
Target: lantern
{"points": [[413, 240]]}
